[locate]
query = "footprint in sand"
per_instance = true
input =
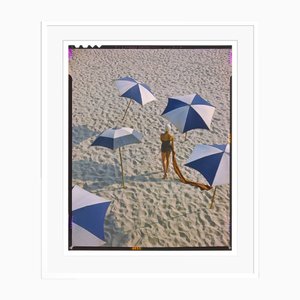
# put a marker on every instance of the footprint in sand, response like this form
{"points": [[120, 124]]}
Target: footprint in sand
{"points": [[210, 221], [183, 235]]}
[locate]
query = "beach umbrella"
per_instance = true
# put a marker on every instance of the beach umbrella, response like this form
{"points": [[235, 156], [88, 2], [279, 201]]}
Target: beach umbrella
{"points": [[134, 90], [213, 162], [189, 112], [88, 214], [116, 138]]}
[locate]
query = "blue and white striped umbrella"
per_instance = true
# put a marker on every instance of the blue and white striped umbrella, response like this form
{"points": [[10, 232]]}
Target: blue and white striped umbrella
{"points": [[133, 89], [88, 215], [189, 112], [115, 138], [213, 162]]}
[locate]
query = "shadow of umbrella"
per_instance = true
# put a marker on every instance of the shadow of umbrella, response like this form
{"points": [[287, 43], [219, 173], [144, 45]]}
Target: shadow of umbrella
{"points": [[100, 174], [81, 133], [114, 235]]}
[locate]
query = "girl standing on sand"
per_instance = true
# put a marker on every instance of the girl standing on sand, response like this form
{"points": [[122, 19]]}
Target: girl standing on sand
{"points": [[167, 145]]}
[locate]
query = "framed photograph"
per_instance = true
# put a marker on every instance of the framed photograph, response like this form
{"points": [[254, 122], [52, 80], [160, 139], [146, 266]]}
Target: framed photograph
{"points": [[148, 150]]}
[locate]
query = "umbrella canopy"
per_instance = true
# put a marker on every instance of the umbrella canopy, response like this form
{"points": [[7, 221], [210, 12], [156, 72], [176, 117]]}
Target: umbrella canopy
{"points": [[114, 138], [189, 112], [88, 214], [212, 161], [117, 137], [131, 88]]}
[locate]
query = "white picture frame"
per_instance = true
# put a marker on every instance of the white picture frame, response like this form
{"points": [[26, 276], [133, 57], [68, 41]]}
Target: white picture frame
{"points": [[57, 261]]}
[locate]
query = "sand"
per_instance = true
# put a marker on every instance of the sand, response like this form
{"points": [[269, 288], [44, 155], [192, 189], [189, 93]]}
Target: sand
{"points": [[151, 212]]}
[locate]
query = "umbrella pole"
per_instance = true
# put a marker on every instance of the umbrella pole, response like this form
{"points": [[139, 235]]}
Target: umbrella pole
{"points": [[185, 136], [123, 182], [127, 109], [213, 199]]}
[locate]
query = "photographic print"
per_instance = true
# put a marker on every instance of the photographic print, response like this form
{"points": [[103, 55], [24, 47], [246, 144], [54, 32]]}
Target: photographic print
{"points": [[150, 147]]}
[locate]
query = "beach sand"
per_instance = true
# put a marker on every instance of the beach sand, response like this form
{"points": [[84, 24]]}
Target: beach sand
{"points": [[150, 212]]}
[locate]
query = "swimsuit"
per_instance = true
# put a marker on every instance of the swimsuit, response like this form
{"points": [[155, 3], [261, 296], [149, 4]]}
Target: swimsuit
{"points": [[166, 146]]}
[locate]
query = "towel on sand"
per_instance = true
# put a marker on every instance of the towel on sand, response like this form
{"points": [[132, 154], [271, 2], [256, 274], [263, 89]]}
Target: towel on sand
{"points": [[183, 179]]}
